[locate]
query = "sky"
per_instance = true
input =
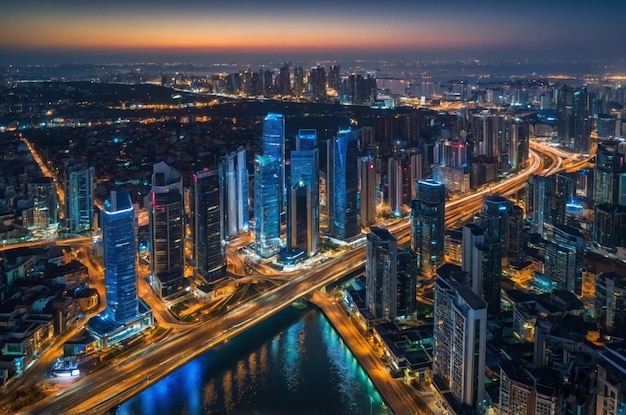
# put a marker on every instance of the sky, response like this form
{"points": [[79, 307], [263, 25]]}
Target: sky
{"points": [[86, 31]]}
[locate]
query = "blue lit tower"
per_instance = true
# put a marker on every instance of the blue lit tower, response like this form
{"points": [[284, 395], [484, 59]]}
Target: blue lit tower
{"points": [[234, 188], [209, 255], [610, 173], [274, 145], [381, 273], [581, 121], [428, 224], [345, 183], [266, 205], [539, 191], [80, 195], [303, 201], [118, 237], [166, 214], [125, 314], [367, 191]]}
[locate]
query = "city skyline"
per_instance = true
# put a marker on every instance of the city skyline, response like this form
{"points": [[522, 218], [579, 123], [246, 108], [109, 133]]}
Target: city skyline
{"points": [[70, 32]]}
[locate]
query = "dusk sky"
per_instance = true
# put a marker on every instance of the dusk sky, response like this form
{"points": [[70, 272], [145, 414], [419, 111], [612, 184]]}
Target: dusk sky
{"points": [[76, 31]]}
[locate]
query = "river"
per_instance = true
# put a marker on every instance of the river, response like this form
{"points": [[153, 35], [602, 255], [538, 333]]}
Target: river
{"points": [[292, 363]]}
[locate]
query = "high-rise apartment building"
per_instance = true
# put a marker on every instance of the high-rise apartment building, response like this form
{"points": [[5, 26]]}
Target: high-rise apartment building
{"points": [[381, 273], [80, 198], [267, 193], [460, 338], [208, 248], [166, 213], [428, 224]]}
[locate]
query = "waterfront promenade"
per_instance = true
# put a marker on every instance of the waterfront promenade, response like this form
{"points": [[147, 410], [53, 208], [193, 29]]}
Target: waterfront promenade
{"points": [[401, 398]]}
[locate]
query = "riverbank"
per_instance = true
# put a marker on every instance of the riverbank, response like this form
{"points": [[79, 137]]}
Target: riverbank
{"points": [[398, 395]]}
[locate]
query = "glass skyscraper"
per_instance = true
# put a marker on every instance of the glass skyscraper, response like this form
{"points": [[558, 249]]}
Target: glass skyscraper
{"points": [[118, 236], [267, 192], [167, 225], [234, 189], [345, 183], [80, 195], [428, 224], [381, 274], [274, 146], [303, 202], [367, 191], [209, 256]]}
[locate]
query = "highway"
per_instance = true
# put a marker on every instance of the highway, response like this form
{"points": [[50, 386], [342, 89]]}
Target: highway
{"points": [[116, 383]]}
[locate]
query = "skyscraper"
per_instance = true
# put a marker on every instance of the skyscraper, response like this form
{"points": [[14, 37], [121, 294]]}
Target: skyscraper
{"points": [[43, 194], [80, 195], [610, 303], [367, 191], [564, 255], [345, 183], [581, 121], [459, 339], [407, 283], [118, 237], [303, 204], [610, 173], [267, 192], [428, 224], [167, 231], [394, 186], [381, 273], [234, 188], [274, 146], [209, 255], [125, 314]]}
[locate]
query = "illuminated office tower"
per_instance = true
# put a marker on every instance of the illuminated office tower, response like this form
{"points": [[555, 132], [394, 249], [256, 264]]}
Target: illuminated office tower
{"points": [[459, 339], [563, 259], [118, 239], [381, 273], [80, 194], [484, 135], [428, 224], [495, 220], [367, 191], [610, 303], [208, 249], [125, 313], [394, 186], [303, 202], [284, 83], [274, 146], [166, 214], [267, 192], [564, 110], [515, 141], [345, 184], [317, 83], [234, 188], [43, 194], [610, 173]]}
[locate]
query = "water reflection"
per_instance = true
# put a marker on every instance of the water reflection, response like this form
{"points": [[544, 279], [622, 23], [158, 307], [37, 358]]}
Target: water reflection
{"points": [[294, 362]]}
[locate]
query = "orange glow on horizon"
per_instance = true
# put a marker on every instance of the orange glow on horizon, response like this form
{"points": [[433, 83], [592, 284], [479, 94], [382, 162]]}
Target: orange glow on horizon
{"points": [[227, 34]]}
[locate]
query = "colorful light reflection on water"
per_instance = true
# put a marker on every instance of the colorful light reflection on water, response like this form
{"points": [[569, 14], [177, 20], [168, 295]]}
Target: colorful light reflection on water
{"points": [[294, 362]]}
